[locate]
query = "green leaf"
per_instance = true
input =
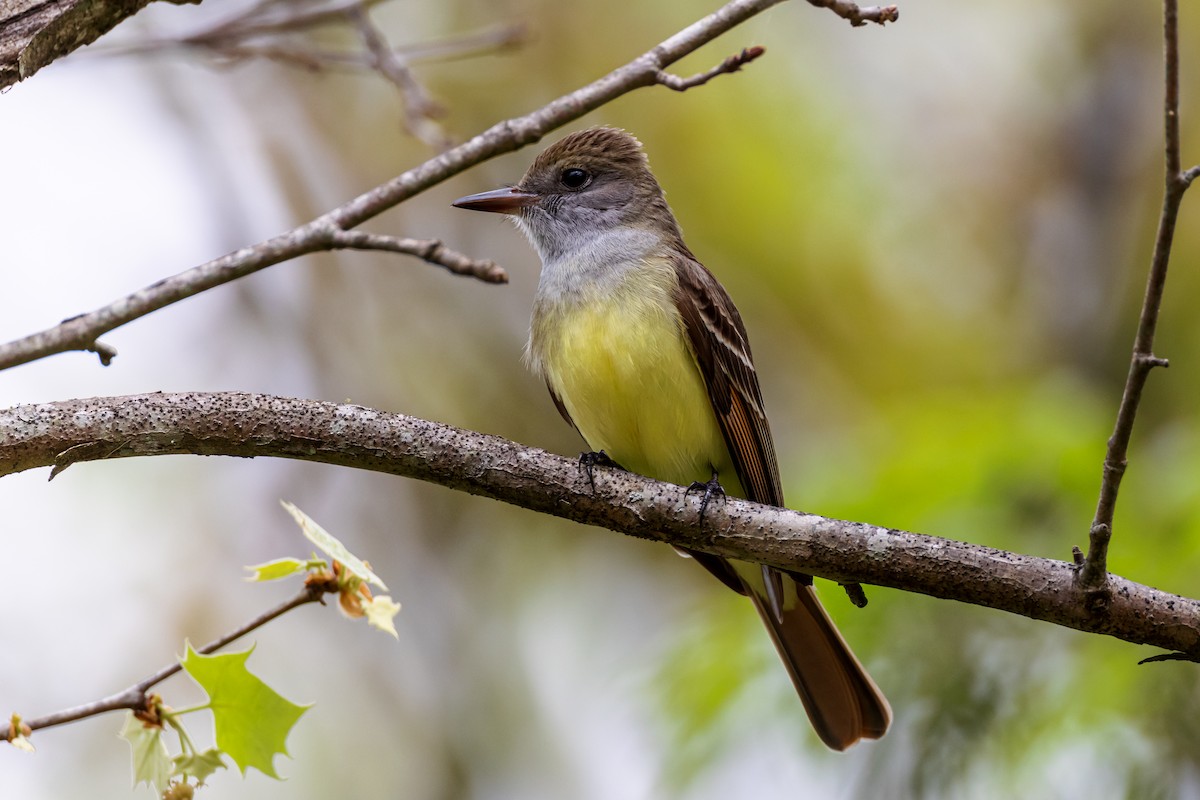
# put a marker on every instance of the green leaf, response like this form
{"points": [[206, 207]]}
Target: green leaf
{"points": [[252, 720], [198, 765], [331, 546], [151, 763], [279, 568]]}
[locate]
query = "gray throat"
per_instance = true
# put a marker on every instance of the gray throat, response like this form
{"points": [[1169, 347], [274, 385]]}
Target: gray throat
{"points": [[599, 262]]}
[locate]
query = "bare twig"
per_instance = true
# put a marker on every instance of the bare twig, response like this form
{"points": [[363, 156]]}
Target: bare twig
{"points": [[1092, 572], [488, 40], [302, 56], [731, 64], [420, 109], [271, 17], [135, 697], [248, 425], [281, 31], [859, 16], [430, 250], [259, 41], [82, 332]]}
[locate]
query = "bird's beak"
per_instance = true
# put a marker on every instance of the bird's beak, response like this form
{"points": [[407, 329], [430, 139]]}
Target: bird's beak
{"points": [[505, 201]]}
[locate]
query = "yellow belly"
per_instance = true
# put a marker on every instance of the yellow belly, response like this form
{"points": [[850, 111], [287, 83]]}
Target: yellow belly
{"points": [[623, 368]]}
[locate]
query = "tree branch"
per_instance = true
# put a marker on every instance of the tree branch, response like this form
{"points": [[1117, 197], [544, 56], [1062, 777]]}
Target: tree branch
{"points": [[34, 33], [82, 332], [732, 64], [135, 697], [420, 109], [251, 425], [1093, 570], [430, 250]]}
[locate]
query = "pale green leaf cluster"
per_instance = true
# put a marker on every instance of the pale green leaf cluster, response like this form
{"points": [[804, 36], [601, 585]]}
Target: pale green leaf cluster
{"points": [[331, 546]]}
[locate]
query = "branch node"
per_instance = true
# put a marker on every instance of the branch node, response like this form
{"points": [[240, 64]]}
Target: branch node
{"points": [[1114, 469], [856, 594], [1150, 361], [1092, 574], [1186, 178], [1077, 556], [106, 352], [732, 64]]}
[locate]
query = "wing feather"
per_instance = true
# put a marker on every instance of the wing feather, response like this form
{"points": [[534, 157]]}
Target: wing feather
{"points": [[841, 699], [722, 350], [562, 408]]}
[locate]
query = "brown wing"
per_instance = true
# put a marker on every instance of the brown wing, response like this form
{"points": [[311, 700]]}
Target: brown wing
{"points": [[722, 349], [841, 699]]}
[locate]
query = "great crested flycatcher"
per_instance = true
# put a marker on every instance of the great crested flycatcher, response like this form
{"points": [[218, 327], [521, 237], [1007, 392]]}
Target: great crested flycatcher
{"points": [[647, 357]]}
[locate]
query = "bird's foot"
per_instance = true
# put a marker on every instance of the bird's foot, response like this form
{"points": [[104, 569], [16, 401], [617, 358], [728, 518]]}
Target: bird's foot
{"points": [[590, 460], [711, 489]]}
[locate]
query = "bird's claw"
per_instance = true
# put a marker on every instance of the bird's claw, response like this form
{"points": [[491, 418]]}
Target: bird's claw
{"points": [[592, 459], [711, 489]]}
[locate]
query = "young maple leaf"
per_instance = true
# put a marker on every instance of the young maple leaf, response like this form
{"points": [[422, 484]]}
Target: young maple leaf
{"points": [[252, 720]]}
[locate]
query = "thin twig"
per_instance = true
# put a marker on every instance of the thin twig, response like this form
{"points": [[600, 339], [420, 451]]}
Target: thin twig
{"points": [[859, 16], [305, 55], [430, 250], [279, 30], [488, 40], [1093, 571], [302, 56], [81, 332], [135, 697], [270, 17], [420, 109], [731, 64], [250, 425]]}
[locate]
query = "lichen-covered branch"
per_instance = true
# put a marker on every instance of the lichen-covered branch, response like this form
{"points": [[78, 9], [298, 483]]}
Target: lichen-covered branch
{"points": [[250, 425], [34, 33]]}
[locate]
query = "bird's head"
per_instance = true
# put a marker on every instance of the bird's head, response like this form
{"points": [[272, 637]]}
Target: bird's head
{"points": [[587, 184]]}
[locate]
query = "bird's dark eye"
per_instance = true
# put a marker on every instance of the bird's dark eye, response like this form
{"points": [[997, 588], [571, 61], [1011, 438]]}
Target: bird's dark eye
{"points": [[574, 177]]}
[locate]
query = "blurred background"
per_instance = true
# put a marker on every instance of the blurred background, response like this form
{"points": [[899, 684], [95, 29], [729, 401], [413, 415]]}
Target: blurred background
{"points": [[938, 235]]}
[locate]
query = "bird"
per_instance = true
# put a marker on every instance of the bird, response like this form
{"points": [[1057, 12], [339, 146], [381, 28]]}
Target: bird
{"points": [[646, 356]]}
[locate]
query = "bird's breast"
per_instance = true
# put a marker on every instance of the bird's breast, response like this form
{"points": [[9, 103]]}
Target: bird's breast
{"points": [[619, 360]]}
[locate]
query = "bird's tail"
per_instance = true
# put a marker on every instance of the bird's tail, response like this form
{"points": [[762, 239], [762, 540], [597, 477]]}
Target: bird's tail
{"points": [[842, 701]]}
